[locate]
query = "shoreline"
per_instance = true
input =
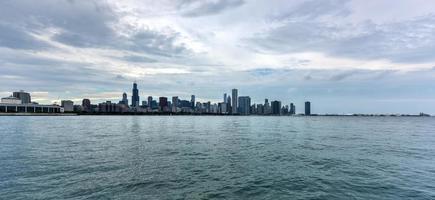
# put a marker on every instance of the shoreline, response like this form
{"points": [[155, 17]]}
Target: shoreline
{"points": [[206, 114]]}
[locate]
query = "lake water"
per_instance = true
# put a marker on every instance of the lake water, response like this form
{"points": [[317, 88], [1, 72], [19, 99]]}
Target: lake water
{"points": [[217, 157]]}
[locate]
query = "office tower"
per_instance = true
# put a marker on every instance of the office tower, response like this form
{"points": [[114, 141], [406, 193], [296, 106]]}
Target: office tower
{"points": [[244, 105], [267, 109], [229, 104], [144, 103], [192, 101], [225, 98], [260, 109], [174, 103], [124, 100], [307, 108], [292, 109], [234, 103], [276, 107], [163, 104], [285, 110], [135, 97], [223, 108], [86, 104], [150, 99], [67, 105], [23, 96], [154, 104]]}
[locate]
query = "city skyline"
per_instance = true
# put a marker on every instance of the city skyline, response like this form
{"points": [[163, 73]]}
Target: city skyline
{"points": [[20, 102], [347, 56]]}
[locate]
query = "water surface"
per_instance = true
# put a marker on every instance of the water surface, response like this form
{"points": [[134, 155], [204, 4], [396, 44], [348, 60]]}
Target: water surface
{"points": [[217, 157]]}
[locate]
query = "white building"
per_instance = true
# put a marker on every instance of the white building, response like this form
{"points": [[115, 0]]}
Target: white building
{"points": [[11, 100], [67, 105]]}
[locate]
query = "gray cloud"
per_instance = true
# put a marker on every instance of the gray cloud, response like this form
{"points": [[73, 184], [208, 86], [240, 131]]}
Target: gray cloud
{"points": [[197, 8], [18, 38], [305, 30], [310, 10], [138, 59], [77, 23]]}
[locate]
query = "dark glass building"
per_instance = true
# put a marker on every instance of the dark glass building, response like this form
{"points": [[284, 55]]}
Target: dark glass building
{"points": [[163, 104], [244, 105], [307, 108], [292, 109], [86, 104], [135, 97], [276, 107], [23, 96]]}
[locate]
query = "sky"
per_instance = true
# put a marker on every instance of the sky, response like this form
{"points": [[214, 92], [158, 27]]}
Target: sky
{"points": [[345, 56]]}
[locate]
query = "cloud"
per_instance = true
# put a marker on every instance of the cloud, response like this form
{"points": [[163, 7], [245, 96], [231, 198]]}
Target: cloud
{"points": [[197, 8], [409, 41], [18, 38]]}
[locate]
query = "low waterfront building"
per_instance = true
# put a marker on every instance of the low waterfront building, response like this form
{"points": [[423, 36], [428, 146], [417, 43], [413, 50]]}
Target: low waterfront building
{"points": [[28, 108], [23, 96]]}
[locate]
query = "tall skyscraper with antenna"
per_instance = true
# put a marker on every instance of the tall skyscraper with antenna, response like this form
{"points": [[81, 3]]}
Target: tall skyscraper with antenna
{"points": [[135, 97]]}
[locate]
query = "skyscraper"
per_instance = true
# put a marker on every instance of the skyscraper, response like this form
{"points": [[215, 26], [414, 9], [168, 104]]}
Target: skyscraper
{"points": [[292, 109], [135, 97], [276, 107], [244, 105], [174, 103], [225, 97], [192, 101], [86, 104], [124, 100], [163, 104], [307, 108], [23, 96], [234, 104], [267, 109], [229, 104], [150, 100]]}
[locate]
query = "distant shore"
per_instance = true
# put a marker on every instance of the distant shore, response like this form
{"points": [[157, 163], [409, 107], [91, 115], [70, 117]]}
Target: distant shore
{"points": [[208, 114]]}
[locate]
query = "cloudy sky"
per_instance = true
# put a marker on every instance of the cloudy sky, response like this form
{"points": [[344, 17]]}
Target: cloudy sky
{"points": [[346, 56]]}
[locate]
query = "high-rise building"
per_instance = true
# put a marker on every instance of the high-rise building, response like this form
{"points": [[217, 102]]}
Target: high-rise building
{"points": [[23, 96], [267, 109], [192, 101], [244, 105], [223, 108], [163, 104], [124, 99], [225, 98], [229, 104], [67, 105], [292, 109], [86, 104], [276, 107], [175, 103], [307, 108], [150, 100], [234, 104], [285, 110], [135, 96]]}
